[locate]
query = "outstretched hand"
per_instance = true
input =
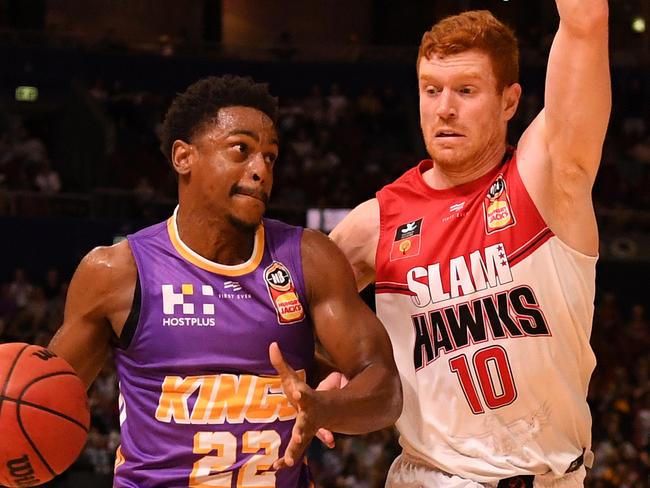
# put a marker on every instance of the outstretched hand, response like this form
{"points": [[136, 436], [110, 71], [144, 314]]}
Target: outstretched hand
{"points": [[304, 399]]}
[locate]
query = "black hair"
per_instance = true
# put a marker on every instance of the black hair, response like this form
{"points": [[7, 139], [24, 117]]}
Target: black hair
{"points": [[200, 103]]}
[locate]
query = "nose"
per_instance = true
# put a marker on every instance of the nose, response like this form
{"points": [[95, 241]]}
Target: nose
{"points": [[446, 108], [258, 168]]}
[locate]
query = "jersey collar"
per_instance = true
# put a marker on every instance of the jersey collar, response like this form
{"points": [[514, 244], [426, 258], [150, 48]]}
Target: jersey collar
{"points": [[196, 259]]}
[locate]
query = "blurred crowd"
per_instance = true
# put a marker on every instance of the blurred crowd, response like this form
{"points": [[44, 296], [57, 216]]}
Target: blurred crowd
{"points": [[31, 310], [338, 146], [336, 149]]}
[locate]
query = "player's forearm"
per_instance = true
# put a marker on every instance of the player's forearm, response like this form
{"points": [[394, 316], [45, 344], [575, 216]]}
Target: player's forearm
{"points": [[584, 17], [371, 401]]}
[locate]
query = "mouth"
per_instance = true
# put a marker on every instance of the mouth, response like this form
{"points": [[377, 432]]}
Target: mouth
{"points": [[250, 193], [447, 133]]}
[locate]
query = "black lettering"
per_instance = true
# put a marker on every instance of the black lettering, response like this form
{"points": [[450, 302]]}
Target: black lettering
{"points": [[44, 354], [20, 469], [422, 342], [500, 315], [520, 298], [493, 318], [441, 338], [504, 315], [466, 321]]}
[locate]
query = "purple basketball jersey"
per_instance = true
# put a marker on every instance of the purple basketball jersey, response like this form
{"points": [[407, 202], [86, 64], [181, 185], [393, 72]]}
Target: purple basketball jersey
{"points": [[200, 403]]}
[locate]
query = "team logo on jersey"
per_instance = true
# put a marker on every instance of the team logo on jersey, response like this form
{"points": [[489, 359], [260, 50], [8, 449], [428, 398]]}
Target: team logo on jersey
{"points": [[192, 314], [407, 240], [283, 294], [496, 207]]}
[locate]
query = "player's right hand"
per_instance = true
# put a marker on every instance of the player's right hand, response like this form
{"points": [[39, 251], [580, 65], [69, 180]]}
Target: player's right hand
{"points": [[305, 400]]}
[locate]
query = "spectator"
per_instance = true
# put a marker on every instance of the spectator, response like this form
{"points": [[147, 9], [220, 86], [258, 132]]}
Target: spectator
{"points": [[47, 179], [20, 288]]}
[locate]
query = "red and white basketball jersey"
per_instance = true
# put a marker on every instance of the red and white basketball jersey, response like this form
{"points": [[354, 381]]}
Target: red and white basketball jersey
{"points": [[490, 315]]}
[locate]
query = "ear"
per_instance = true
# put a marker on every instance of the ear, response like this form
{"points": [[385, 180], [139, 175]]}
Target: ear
{"points": [[511, 96], [183, 155]]}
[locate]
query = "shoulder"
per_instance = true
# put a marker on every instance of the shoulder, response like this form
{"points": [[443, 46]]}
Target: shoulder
{"points": [[357, 235], [108, 266], [316, 248], [320, 255], [359, 225], [325, 267], [101, 290]]}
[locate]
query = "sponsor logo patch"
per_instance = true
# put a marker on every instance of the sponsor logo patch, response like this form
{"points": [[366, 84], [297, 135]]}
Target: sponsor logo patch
{"points": [[407, 240], [283, 294], [497, 209]]}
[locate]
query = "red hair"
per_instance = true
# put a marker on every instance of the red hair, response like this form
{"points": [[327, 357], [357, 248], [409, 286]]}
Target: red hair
{"points": [[475, 29]]}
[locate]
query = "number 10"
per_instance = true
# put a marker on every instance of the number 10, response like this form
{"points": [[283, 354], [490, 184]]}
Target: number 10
{"points": [[492, 369]]}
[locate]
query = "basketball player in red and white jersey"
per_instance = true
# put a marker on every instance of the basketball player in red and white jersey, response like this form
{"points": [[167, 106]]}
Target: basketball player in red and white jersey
{"points": [[484, 258]]}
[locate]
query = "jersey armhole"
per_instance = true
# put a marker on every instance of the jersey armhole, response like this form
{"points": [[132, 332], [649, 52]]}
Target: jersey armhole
{"points": [[131, 324], [381, 235]]}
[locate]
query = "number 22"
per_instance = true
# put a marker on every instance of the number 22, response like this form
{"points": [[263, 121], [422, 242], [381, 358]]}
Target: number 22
{"points": [[210, 471]]}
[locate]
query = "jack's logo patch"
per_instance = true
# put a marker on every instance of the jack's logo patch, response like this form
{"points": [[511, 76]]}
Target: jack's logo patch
{"points": [[283, 294], [497, 208], [407, 240]]}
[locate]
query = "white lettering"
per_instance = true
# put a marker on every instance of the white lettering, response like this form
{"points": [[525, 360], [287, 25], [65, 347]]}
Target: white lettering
{"points": [[496, 265], [435, 284], [487, 269], [459, 277], [422, 297]]}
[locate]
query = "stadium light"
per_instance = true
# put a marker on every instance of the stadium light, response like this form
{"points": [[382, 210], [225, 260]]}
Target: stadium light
{"points": [[638, 25]]}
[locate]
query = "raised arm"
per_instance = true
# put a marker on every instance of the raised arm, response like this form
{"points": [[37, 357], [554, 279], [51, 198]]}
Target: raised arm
{"points": [[357, 235], [560, 152], [97, 305], [578, 92]]}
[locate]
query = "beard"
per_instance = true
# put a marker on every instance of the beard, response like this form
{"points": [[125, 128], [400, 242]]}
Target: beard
{"points": [[448, 157], [244, 225]]}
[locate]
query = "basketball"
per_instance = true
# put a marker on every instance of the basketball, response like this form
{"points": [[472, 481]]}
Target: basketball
{"points": [[44, 416]]}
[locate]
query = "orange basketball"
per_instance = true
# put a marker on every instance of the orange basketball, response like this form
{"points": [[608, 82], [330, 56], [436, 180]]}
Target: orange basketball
{"points": [[44, 416]]}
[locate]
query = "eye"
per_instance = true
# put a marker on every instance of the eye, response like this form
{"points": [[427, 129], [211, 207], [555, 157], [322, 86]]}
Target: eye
{"points": [[270, 158], [239, 151], [431, 90], [467, 90], [241, 147]]}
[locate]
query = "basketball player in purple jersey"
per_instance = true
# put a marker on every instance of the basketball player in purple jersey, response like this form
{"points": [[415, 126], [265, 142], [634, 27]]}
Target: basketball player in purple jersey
{"points": [[204, 308]]}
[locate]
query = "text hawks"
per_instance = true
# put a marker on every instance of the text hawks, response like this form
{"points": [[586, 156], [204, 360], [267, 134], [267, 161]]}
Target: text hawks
{"points": [[508, 313]]}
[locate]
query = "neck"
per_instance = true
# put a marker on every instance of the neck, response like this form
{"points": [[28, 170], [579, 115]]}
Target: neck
{"points": [[442, 175], [214, 238]]}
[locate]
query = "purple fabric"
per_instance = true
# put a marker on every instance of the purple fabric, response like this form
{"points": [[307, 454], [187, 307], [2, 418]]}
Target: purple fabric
{"points": [[223, 341]]}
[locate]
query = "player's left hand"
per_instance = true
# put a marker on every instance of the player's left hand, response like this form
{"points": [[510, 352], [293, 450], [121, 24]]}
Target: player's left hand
{"points": [[334, 380], [305, 400]]}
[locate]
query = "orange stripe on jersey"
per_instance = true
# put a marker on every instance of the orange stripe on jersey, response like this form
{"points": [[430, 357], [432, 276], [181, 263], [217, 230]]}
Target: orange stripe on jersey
{"points": [[206, 264], [119, 458]]}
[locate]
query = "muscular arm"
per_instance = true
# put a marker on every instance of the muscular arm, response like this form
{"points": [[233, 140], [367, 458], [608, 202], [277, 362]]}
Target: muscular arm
{"points": [[357, 235], [355, 340], [97, 305], [560, 152], [578, 93]]}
